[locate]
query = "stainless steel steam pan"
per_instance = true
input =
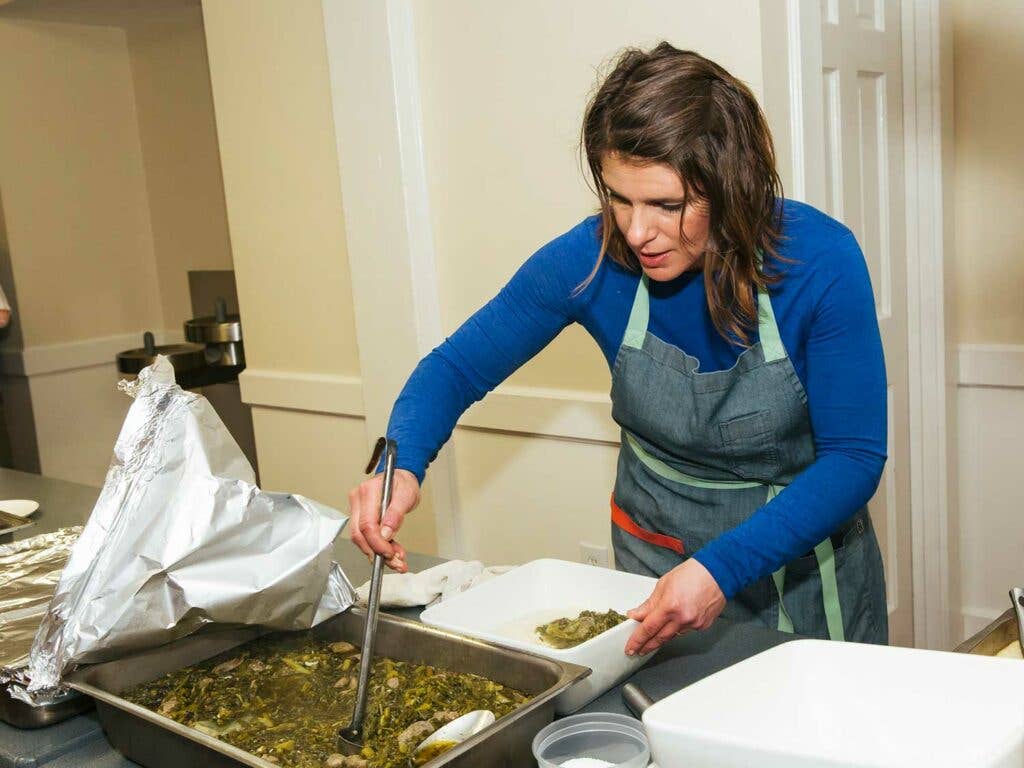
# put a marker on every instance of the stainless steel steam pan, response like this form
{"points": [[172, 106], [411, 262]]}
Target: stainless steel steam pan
{"points": [[29, 571], [11, 523], [993, 638], [21, 715], [154, 741]]}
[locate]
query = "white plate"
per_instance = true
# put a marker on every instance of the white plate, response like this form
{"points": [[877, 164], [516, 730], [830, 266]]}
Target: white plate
{"points": [[507, 609], [19, 507], [814, 703]]}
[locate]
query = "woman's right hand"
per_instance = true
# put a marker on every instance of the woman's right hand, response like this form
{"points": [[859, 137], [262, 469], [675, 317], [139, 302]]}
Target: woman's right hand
{"points": [[364, 507]]}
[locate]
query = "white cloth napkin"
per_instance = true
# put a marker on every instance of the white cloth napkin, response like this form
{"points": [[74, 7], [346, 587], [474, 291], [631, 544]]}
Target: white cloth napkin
{"points": [[404, 590]]}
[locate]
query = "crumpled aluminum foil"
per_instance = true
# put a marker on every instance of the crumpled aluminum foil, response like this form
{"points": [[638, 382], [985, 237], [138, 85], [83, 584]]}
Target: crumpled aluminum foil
{"points": [[181, 538], [29, 572]]}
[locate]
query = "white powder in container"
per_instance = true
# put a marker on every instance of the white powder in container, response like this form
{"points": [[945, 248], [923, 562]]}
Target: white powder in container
{"points": [[585, 762]]}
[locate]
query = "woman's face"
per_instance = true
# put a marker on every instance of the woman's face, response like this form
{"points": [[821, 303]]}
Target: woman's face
{"points": [[647, 202]]}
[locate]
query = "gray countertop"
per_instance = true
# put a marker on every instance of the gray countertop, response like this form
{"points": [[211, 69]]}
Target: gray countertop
{"points": [[61, 503], [80, 743]]}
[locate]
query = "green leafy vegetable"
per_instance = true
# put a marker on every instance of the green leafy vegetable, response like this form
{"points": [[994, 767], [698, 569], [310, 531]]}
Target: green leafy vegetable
{"points": [[566, 633], [284, 698]]}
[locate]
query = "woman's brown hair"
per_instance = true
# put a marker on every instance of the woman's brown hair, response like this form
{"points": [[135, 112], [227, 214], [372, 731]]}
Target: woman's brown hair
{"points": [[681, 109]]}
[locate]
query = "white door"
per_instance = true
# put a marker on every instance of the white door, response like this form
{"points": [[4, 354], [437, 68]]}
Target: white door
{"points": [[845, 84]]}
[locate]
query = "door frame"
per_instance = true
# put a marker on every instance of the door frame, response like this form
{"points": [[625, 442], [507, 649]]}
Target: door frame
{"points": [[372, 60], [792, 33]]}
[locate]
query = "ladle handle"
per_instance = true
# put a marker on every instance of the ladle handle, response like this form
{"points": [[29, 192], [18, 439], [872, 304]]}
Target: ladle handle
{"points": [[390, 450]]}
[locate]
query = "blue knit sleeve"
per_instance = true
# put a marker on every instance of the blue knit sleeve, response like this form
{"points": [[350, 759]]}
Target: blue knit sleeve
{"points": [[535, 305], [846, 390]]}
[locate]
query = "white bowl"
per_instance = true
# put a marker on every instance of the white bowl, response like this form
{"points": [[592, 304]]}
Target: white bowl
{"points": [[815, 703], [508, 608], [19, 507]]}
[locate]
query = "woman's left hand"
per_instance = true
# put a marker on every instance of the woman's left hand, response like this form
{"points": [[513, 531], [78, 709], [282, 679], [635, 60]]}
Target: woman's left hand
{"points": [[687, 597]]}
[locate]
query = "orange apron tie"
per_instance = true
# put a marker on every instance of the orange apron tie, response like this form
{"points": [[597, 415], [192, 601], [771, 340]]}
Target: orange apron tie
{"points": [[625, 522]]}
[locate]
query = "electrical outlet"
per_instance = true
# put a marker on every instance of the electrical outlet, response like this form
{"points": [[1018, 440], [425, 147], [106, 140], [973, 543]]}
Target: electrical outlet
{"points": [[594, 554]]}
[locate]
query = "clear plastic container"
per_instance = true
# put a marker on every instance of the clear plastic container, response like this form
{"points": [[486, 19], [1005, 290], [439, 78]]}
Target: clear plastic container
{"points": [[616, 739]]}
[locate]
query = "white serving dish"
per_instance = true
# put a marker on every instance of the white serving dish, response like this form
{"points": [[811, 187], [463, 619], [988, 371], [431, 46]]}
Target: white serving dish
{"points": [[507, 608], [845, 705]]}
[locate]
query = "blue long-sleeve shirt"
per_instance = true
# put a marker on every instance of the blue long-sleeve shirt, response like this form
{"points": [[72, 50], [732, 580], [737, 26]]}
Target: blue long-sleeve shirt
{"points": [[825, 311]]}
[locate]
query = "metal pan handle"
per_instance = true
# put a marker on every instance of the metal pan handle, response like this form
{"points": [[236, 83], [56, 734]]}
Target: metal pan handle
{"points": [[1017, 596], [636, 699]]}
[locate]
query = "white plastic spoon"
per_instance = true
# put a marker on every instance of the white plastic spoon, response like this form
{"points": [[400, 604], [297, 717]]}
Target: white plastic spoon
{"points": [[457, 731]]}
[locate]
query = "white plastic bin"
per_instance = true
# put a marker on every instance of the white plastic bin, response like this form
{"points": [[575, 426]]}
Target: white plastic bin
{"points": [[509, 607], [820, 704]]}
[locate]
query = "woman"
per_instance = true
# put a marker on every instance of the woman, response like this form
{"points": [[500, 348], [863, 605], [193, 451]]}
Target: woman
{"points": [[747, 369]]}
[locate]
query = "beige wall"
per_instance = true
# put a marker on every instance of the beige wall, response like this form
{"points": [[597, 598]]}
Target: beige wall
{"points": [[269, 72], [316, 454], [73, 183], [268, 68], [111, 187], [988, 174], [499, 136], [77, 217], [502, 109], [181, 159], [529, 497], [989, 170]]}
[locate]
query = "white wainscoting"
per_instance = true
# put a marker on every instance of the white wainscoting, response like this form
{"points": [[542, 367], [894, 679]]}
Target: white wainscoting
{"points": [[537, 411], [300, 391], [991, 421], [73, 355], [76, 407], [563, 440], [991, 503]]}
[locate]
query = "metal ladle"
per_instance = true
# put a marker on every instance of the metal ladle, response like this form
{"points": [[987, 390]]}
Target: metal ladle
{"points": [[350, 739]]}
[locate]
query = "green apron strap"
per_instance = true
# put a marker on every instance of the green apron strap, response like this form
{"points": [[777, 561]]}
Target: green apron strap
{"points": [[779, 577], [768, 329], [825, 555], [636, 328], [658, 467], [830, 589], [785, 623]]}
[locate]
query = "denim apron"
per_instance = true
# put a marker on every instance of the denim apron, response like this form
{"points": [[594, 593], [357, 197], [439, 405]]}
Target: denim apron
{"points": [[701, 452]]}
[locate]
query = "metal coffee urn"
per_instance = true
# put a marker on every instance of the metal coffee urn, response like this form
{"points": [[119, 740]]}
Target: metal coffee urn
{"points": [[212, 354], [188, 360], [209, 361], [221, 334]]}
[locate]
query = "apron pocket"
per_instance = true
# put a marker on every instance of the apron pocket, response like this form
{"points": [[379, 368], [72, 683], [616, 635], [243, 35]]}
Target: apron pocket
{"points": [[750, 444], [841, 551]]}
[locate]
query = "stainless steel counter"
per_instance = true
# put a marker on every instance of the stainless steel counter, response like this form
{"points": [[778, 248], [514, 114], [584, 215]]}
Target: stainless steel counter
{"points": [[61, 503], [79, 742]]}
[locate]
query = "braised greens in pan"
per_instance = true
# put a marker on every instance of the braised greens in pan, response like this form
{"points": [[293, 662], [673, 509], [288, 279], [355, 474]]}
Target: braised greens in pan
{"points": [[284, 699], [568, 633]]}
